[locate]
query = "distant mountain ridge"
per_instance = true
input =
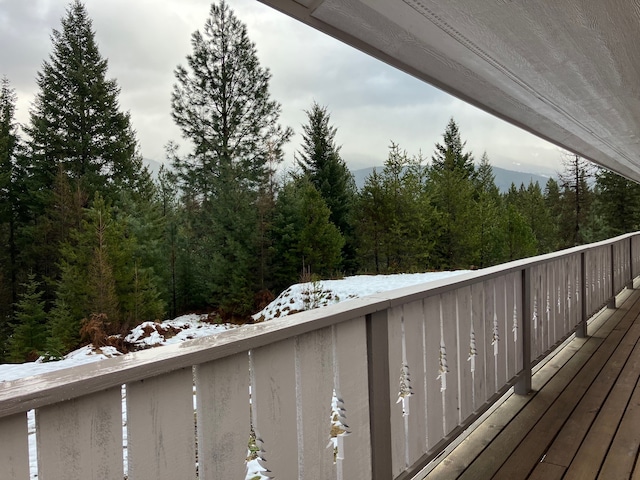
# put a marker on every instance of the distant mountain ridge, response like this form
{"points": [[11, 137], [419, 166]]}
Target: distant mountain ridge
{"points": [[504, 177]]}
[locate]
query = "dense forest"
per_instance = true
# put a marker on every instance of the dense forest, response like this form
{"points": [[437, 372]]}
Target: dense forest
{"points": [[91, 242]]}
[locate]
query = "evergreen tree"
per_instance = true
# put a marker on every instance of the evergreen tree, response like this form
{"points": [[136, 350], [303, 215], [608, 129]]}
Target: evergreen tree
{"points": [[29, 336], [618, 203], [101, 276], [576, 198], [451, 178], [101, 298], [167, 195], [519, 239], [534, 209], [489, 237], [395, 216], [9, 205], [553, 204], [371, 223], [305, 240], [221, 103], [450, 155], [320, 161], [79, 141], [76, 122]]}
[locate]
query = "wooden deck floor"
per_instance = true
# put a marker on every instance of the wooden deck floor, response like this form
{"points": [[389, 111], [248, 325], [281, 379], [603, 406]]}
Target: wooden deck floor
{"points": [[582, 420]]}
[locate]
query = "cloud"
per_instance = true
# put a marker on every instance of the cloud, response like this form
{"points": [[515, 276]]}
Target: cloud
{"points": [[370, 103]]}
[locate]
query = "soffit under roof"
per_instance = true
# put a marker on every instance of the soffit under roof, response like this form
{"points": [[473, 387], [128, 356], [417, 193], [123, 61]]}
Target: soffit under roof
{"points": [[567, 71]]}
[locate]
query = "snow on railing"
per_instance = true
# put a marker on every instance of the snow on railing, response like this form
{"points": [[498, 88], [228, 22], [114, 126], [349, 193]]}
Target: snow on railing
{"points": [[395, 376]]}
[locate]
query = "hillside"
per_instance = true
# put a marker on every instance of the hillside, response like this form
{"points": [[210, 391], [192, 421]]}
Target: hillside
{"points": [[504, 177]]}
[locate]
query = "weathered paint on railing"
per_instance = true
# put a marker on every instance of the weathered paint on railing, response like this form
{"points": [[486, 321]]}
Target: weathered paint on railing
{"points": [[409, 369]]}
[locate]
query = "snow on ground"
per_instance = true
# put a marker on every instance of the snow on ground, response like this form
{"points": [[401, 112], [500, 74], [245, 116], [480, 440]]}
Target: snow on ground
{"points": [[305, 296], [145, 335], [296, 298]]}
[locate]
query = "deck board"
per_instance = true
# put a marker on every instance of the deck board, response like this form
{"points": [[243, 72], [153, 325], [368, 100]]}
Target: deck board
{"points": [[581, 421], [623, 453]]}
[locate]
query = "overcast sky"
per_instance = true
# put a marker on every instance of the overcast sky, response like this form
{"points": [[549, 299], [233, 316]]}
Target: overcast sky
{"points": [[370, 103]]}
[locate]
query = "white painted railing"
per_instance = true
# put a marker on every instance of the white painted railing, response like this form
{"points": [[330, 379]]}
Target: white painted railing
{"points": [[410, 368]]}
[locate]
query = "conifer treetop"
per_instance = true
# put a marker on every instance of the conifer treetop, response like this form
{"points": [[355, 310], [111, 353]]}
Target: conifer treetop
{"points": [[221, 102], [76, 120]]}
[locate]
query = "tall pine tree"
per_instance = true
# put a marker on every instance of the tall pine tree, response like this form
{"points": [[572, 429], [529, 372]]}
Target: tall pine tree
{"points": [[9, 206], [451, 179], [76, 120], [450, 154], [222, 105], [576, 198], [321, 162], [79, 141]]}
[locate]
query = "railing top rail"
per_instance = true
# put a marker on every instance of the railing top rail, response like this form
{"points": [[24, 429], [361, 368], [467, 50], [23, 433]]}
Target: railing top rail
{"points": [[48, 388]]}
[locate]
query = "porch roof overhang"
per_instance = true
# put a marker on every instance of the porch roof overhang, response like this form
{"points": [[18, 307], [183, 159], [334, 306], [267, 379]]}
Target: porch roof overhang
{"points": [[566, 71]]}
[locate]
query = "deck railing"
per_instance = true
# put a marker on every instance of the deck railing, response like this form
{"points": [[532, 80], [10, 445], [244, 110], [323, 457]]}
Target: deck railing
{"points": [[410, 369]]}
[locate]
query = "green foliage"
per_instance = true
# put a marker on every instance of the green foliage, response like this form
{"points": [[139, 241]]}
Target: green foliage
{"points": [[533, 207], [80, 143], [29, 335], [221, 103], [451, 181], [519, 240], [396, 216], [451, 155], [618, 203], [371, 225], [76, 122], [489, 237], [62, 330], [321, 163], [305, 239], [576, 199], [101, 274], [9, 205], [320, 240]]}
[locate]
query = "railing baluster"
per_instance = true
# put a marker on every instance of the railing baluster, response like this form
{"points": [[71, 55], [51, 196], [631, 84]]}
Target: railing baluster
{"points": [[161, 427], [14, 447], [611, 303], [396, 371], [274, 407], [500, 319], [511, 325], [435, 429], [222, 412], [490, 357], [416, 422], [81, 439], [466, 353], [314, 365], [481, 344], [354, 372], [449, 342]]}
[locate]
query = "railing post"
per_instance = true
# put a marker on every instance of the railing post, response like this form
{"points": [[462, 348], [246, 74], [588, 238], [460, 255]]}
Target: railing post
{"points": [[630, 279], [612, 300], [379, 395], [581, 328], [523, 385]]}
